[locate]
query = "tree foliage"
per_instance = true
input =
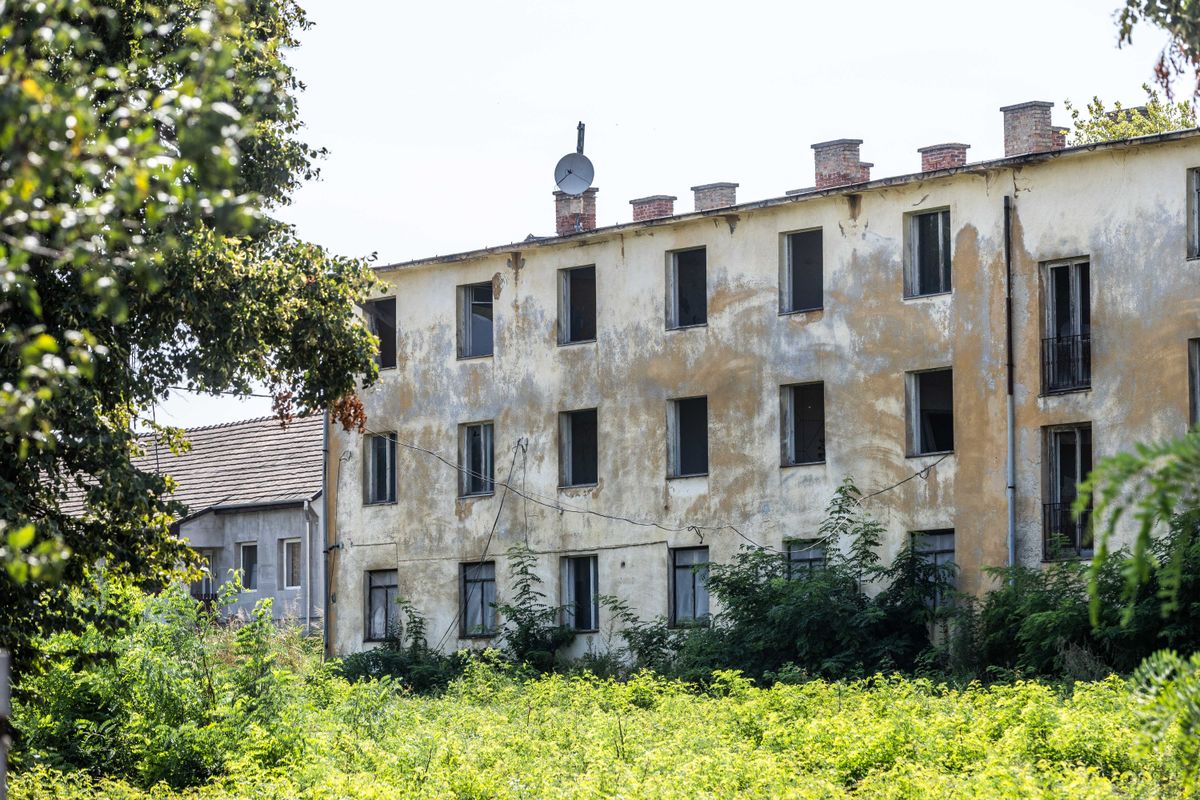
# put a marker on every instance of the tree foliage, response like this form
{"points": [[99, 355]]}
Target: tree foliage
{"points": [[1102, 124], [143, 148], [1180, 58]]}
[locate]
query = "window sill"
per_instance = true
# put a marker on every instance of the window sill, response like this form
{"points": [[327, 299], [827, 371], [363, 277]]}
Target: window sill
{"points": [[477, 636], [787, 464], [931, 453], [566, 486], [379, 502], [930, 294], [473, 495], [585, 630], [687, 327], [382, 368], [1069, 557], [475, 358], [577, 341], [291, 588], [1072, 390], [689, 475], [795, 311]]}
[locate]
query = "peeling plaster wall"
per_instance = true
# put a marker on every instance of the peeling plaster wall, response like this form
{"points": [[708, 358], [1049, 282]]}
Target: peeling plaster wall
{"points": [[1125, 209]]}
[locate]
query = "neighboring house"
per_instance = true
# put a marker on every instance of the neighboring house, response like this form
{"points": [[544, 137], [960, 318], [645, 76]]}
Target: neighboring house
{"points": [[252, 491], [719, 372]]}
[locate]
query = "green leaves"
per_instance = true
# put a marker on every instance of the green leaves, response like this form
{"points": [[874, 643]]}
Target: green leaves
{"points": [[1104, 125]]}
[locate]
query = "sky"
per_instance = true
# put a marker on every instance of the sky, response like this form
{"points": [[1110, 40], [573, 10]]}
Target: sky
{"points": [[443, 121]]}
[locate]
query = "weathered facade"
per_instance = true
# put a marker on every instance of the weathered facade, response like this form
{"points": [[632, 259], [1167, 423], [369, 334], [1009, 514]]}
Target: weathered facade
{"points": [[1105, 303]]}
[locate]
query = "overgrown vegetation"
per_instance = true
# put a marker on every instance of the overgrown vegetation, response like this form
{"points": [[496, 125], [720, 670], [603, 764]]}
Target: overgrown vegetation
{"points": [[1103, 124]]}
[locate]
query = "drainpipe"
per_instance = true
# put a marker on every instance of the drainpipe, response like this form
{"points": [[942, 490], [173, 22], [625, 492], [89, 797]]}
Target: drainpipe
{"points": [[307, 567], [325, 535], [1011, 465]]}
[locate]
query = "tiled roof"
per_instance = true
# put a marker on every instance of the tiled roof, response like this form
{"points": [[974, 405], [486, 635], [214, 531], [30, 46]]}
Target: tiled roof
{"points": [[254, 461]]}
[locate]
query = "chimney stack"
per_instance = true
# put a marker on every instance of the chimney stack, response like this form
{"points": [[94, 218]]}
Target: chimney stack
{"points": [[653, 207], [837, 163], [943, 156], [1027, 129], [715, 195], [575, 213]]}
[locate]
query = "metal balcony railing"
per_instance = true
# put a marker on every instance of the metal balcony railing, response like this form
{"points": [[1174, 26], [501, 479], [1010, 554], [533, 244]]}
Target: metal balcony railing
{"points": [[1064, 536], [1066, 363]]}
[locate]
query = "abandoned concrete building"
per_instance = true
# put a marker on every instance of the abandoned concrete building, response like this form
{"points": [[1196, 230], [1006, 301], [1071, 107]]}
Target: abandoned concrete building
{"points": [[635, 400]]}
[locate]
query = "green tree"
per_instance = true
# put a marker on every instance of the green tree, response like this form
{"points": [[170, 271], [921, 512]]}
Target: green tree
{"points": [[1105, 125], [1181, 20], [143, 149]]}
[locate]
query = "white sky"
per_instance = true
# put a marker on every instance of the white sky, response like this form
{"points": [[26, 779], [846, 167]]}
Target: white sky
{"points": [[444, 121]]}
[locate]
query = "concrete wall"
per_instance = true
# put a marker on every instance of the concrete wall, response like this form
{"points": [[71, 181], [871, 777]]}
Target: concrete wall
{"points": [[1125, 209], [224, 531]]}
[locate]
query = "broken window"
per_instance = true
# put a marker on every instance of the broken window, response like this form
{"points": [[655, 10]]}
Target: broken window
{"points": [[475, 320], [932, 408], [804, 556], [688, 430], [936, 547], [688, 289], [1194, 383], [380, 468], [581, 604], [803, 279], [804, 424], [1067, 345], [1068, 461], [382, 593], [929, 253], [479, 599], [291, 563], [381, 320], [689, 592], [248, 558], [577, 305], [578, 450], [475, 458]]}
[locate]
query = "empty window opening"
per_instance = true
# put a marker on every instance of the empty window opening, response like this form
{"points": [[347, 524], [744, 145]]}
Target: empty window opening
{"points": [[936, 547], [248, 556], [803, 278], [1194, 382], [479, 599], [579, 446], [381, 320], [577, 309], [475, 320], [382, 610], [1067, 345], [291, 563], [581, 604], [932, 404], [929, 253], [689, 592], [688, 289], [1068, 461], [380, 468], [475, 458], [804, 556], [688, 429], [804, 424]]}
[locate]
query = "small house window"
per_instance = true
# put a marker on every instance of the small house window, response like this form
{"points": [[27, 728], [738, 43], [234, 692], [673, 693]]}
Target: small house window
{"points": [[577, 305], [1067, 345], [804, 556], [248, 558], [1194, 382], [687, 427], [803, 284], [931, 403], [204, 587], [936, 547], [689, 590], [291, 564], [475, 458], [928, 253], [804, 424], [581, 600], [1068, 461], [578, 448], [479, 599], [381, 320], [380, 472], [475, 320], [381, 604], [688, 289]]}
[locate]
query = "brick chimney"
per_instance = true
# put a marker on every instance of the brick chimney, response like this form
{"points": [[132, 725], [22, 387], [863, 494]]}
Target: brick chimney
{"points": [[715, 195], [653, 207], [837, 163], [1027, 129], [573, 214], [943, 156]]}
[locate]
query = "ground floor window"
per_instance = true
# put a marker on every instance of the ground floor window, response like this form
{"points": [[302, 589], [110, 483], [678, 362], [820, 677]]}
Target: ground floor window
{"points": [[581, 600], [479, 599], [382, 593], [689, 592]]}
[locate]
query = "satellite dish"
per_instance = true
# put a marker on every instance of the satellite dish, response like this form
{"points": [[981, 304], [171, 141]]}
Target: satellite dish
{"points": [[574, 172]]}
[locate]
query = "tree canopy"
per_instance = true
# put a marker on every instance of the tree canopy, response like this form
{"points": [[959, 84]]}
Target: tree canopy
{"points": [[1102, 124], [143, 149]]}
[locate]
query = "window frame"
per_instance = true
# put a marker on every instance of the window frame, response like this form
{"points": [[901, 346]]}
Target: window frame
{"points": [[466, 302], [1077, 325], [369, 465], [913, 392], [786, 271], [242, 548], [565, 277], [1193, 383], [1193, 213], [1052, 486], [487, 459], [672, 298], [674, 471], [285, 563], [697, 586], [373, 325], [566, 442], [568, 566], [208, 577], [933, 553], [808, 565], [787, 399], [390, 607], [487, 610], [912, 245]]}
